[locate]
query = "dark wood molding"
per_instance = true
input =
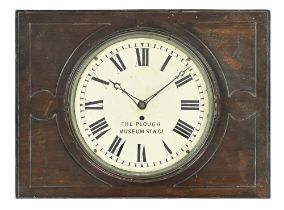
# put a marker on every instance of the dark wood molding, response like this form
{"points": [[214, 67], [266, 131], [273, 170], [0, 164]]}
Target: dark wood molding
{"points": [[236, 45]]}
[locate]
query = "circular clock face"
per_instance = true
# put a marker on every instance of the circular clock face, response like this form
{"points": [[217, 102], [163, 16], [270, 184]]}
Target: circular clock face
{"points": [[142, 104]]}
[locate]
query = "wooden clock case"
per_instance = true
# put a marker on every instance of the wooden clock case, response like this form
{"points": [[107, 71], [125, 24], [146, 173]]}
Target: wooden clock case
{"points": [[234, 163]]}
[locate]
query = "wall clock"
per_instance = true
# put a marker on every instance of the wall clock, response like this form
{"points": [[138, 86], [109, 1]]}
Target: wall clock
{"points": [[141, 104]]}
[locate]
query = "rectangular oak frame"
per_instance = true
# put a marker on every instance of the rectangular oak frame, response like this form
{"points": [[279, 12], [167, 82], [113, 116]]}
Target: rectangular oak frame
{"points": [[240, 40]]}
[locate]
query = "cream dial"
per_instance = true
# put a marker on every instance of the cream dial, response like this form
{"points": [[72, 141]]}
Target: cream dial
{"points": [[142, 105]]}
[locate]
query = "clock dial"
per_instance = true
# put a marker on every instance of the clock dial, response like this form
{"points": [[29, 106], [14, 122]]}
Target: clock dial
{"points": [[142, 104]]}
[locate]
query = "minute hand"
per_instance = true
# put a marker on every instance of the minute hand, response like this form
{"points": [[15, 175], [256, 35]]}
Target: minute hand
{"points": [[181, 73]]}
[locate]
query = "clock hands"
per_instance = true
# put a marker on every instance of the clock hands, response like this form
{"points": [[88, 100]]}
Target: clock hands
{"points": [[140, 104], [180, 74]]}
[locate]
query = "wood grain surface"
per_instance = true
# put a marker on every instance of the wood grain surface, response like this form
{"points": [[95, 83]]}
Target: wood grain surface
{"points": [[235, 43]]}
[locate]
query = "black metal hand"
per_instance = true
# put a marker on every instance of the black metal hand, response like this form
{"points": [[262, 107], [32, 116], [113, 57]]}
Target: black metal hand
{"points": [[181, 73], [117, 86]]}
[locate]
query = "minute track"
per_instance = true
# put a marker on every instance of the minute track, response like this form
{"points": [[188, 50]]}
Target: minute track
{"points": [[115, 148]]}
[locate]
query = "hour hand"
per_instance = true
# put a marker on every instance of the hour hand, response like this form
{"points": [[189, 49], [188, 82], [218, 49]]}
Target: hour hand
{"points": [[118, 86]]}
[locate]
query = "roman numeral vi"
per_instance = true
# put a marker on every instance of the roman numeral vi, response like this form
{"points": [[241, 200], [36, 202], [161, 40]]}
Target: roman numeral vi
{"points": [[141, 154]]}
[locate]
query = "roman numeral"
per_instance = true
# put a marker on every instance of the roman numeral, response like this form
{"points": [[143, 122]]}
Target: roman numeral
{"points": [[116, 146], [120, 65], [189, 104], [143, 57], [100, 80], [183, 129], [166, 63], [99, 128], [94, 105], [141, 154], [183, 80], [167, 148]]}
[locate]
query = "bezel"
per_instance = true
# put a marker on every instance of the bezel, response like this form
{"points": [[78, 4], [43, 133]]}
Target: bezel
{"points": [[89, 156]]}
